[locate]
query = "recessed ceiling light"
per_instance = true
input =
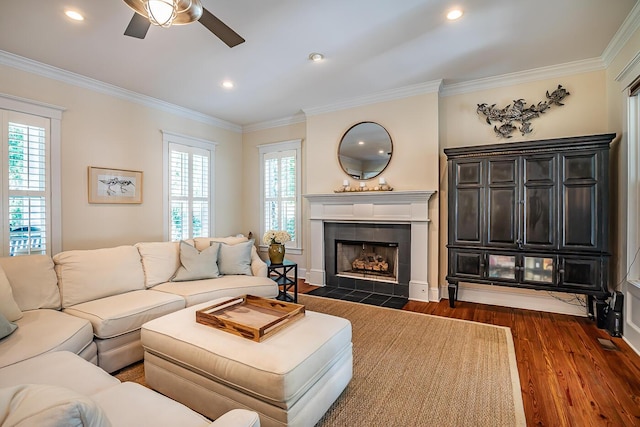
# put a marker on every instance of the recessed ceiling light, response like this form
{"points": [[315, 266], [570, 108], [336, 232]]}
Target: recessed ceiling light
{"points": [[360, 142], [454, 14], [76, 16], [227, 84], [316, 57]]}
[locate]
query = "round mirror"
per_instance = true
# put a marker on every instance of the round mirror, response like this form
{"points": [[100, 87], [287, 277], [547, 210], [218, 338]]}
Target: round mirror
{"points": [[365, 150]]}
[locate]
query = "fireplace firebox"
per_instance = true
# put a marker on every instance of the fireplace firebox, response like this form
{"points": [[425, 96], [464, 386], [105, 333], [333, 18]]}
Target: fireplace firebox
{"points": [[367, 260]]}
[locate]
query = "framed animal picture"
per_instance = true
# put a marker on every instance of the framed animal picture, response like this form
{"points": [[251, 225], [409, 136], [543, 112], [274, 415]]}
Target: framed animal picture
{"points": [[114, 185]]}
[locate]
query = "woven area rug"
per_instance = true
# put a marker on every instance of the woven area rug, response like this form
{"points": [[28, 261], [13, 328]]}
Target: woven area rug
{"points": [[414, 369]]}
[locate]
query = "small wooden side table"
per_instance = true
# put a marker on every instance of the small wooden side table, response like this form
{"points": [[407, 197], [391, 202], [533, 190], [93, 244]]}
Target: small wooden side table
{"points": [[278, 272]]}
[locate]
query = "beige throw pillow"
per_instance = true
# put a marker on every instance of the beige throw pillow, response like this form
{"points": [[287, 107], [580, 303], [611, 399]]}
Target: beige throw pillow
{"points": [[235, 259], [197, 265], [8, 307]]}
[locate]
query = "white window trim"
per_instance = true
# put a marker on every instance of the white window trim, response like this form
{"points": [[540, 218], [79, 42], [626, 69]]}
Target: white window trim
{"points": [[54, 114], [294, 144], [172, 137]]}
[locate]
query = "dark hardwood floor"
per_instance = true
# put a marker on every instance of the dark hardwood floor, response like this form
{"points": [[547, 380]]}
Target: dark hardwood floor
{"points": [[567, 377]]}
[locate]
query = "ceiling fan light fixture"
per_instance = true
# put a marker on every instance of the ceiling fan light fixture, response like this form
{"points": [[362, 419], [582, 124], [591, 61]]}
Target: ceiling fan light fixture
{"points": [[161, 12]]}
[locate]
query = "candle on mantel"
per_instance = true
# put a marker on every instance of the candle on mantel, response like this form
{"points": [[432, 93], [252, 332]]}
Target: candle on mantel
{"points": [[381, 181], [345, 183]]}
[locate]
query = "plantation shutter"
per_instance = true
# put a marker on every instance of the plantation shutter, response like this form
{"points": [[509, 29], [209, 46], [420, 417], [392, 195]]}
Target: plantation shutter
{"points": [[280, 192], [26, 175], [189, 191]]}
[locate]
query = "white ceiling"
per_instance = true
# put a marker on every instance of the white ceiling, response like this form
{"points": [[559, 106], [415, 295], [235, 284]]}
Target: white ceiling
{"points": [[370, 46]]}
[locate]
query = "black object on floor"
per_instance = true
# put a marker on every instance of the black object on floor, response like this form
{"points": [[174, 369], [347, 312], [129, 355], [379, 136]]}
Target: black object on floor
{"points": [[370, 298]]}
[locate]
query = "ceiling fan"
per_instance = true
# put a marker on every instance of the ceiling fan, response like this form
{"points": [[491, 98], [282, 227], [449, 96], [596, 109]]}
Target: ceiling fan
{"points": [[165, 13]]}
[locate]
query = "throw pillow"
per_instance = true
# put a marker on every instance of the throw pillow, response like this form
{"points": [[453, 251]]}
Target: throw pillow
{"points": [[235, 259], [48, 406], [8, 306], [6, 327], [197, 265]]}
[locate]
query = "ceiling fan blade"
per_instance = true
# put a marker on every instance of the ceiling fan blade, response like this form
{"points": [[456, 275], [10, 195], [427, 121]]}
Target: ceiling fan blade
{"points": [[138, 26], [220, 29]]}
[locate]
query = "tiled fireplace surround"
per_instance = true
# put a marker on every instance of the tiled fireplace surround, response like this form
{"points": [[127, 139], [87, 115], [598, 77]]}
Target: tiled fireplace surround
{"points": [[370, 213], [368, 232]]}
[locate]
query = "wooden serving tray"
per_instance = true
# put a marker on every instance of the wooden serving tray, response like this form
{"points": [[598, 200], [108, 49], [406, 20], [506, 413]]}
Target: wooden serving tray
{"points": [[250, 317]]}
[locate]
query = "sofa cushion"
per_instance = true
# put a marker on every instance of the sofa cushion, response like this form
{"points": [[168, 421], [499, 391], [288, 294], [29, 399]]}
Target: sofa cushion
{"points": [[160, 260], [42, 331], [8, 307], [87, 275], [48, 406], [33, 281], [198, 291], [197, 265], [60, 368], [130, 404], [6, 327], [119, 314], [235, 259]]}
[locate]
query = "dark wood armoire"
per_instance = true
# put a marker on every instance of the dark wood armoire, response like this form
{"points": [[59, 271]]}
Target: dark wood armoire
{"points": [[531, 215]]}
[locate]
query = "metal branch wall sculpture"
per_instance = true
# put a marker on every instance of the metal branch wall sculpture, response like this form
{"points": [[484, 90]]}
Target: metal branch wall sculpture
{"points": [[519, 112]]}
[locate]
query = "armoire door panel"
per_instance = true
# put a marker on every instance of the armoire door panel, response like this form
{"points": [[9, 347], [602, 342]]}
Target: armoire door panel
{"points": [[580, 166], [539, 218], [469, 173], [467, 214], [579, 214], [539, 170], [502, 216], [503, 171]]}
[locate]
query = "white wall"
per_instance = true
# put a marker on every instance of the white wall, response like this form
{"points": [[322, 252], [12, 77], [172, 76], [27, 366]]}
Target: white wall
{"points": [[108, 131]]}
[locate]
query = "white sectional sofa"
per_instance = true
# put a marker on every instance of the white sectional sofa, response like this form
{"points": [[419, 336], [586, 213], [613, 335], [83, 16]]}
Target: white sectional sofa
{"points": [[93, 302], [62, 389]]}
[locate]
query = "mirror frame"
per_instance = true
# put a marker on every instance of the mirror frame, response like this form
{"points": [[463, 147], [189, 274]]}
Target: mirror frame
{"points": [[342, 140]]}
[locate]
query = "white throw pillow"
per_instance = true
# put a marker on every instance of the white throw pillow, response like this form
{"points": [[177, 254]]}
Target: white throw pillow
{"points": [[197, 265], [160, 261], [8, 307], [48, 406], [235, 259]]}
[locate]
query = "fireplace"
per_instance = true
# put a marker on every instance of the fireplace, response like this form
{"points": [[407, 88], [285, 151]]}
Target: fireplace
{"points": [[368, 257], [372, 217], [367, 260]]}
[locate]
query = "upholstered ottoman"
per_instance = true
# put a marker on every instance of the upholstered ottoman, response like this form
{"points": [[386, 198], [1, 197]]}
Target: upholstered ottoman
{"points": [[291, 378]]}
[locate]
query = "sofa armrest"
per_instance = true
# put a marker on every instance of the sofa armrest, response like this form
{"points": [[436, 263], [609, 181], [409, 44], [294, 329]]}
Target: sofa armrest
{"points": [[258, 267], [237, 418]]}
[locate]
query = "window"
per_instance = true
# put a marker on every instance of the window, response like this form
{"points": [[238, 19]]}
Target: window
{"points": [[29, 180], [188, 189], [280, 189]]}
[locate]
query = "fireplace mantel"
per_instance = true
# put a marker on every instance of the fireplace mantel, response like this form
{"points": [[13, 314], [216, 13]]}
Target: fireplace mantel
{"points": [[384, 207]]}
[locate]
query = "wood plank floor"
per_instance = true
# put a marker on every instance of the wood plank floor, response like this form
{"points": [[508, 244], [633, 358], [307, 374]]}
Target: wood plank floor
{"points": [[567, 378]]}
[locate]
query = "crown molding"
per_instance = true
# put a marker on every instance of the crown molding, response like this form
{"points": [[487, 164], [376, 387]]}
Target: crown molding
{"points": [[554, 71], [387, 95], [630, 25], [48, 71], [269, 124]]}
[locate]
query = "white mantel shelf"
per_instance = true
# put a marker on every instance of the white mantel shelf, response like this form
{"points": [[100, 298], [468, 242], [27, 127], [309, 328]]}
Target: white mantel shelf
{"points": [[391, 207], [370, 206]]}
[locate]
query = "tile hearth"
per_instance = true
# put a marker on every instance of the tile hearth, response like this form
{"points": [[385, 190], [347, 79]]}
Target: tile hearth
{"points": [[363, 297]]}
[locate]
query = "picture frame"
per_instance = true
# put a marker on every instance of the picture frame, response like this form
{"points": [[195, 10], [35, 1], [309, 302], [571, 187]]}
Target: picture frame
{"points": [[114, 185]]}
